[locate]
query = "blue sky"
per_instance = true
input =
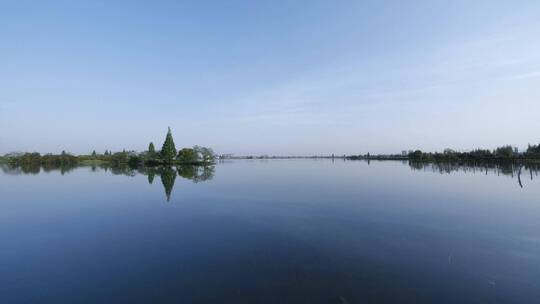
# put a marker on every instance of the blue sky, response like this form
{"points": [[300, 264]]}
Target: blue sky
{"points": [[274, 77]]}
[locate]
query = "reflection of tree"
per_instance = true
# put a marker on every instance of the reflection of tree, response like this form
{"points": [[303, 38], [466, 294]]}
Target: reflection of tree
{"points": [[66, 168], [123, 170], [168, 176], [151, 176], [11, 170], [150, 172], [505, 168], [187, 171], [416, 165], [35, 168], [193, 173], [196, 173], [31, 168], [206, 174]]}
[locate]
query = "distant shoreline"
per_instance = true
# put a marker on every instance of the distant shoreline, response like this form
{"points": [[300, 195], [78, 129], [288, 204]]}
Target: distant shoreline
{"points": [[200, 156]]}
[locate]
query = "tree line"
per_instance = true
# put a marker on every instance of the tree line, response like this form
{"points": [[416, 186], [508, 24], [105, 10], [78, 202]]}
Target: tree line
{"points": [[503, 153], [506, 152], [168, 155], [47, 160]]}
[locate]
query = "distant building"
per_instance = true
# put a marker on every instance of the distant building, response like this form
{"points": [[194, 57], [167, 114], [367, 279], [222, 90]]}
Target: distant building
{"points": [[404, 153]]}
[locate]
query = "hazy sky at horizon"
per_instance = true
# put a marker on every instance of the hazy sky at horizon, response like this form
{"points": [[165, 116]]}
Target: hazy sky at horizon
{"points": [[274, 77]]}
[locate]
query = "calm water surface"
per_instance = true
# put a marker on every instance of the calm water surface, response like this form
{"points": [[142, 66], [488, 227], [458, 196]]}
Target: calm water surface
{"points": [[279, 231]]}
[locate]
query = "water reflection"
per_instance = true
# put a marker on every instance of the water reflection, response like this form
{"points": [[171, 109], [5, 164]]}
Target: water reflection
{"points": [[34, 169], [521, 171], [510, 169], [196, 174], [327, 233], [167, 175]]}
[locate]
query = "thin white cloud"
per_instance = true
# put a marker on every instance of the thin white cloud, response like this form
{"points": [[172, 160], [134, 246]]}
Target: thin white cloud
{"points": [[437, 80], [529, 75]]}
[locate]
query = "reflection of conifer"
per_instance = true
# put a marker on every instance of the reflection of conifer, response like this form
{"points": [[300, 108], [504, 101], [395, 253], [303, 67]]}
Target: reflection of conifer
{"points": [[151, 175], [168, 175]]}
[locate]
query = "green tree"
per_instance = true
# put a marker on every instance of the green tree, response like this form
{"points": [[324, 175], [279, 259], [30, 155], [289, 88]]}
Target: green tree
{"points": [[533, 150], [168, 150], [94, 153], [151, 148], [416, 155], [204, 154], [187, 155], [504, 151], [207, 154]]}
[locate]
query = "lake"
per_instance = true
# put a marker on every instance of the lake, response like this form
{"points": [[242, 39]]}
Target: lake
{"points": [[271, 231]]}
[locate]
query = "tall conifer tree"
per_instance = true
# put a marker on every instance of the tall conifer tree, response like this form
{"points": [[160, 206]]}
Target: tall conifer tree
{"points": [[168, 151]]}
